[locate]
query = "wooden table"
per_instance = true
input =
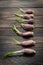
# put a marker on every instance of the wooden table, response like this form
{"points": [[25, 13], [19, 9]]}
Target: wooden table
{"points": [[7, 10]]}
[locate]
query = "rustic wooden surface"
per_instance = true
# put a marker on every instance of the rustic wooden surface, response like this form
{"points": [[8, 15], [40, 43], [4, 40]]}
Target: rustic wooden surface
{"points": [[7, 10]]}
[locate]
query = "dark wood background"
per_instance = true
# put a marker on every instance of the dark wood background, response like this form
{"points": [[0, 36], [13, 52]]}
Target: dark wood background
{"points": [[7, 10]]}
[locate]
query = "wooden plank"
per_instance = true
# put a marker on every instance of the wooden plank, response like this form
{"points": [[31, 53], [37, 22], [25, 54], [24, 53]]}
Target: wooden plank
{"points": [[21, 3], [10, 32], [5, 22], [13, 46], [23, 0], [9, 39], [8, 24], [9, 61], [13, 18], [9, 12]]}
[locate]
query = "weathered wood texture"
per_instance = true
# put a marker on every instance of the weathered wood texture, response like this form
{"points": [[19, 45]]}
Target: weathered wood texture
{"points": [[22, 3], [7, 19]]}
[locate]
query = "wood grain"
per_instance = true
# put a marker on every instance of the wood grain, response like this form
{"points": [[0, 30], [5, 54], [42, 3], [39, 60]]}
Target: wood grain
{"points": [[10, 11], [7, 18], [9, 39], [21, 3], [10, 32]]}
